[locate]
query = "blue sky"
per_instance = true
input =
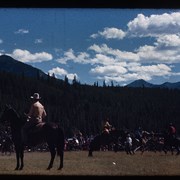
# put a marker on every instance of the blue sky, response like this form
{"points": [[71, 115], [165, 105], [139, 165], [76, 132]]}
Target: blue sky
{"points": [[119, 45]]}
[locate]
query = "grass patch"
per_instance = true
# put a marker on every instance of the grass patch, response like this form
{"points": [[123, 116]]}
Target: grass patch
{"points": [[101, 164]]}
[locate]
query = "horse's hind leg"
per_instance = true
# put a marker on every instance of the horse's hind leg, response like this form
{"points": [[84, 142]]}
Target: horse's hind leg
{"points": [[17, 161], [90, 153], [61, 154], [53, 153]]}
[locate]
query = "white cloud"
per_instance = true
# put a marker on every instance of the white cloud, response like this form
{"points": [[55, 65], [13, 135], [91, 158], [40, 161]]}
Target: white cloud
{"points": [[25, 56], [112, 70], [164, 51], [125, 77], [143, 26], [22, 31], [117, 65], [172, 40], [58, 71], [131, 71], [147, 61], [161, 54], [144, 62], [154, 25], [38, 41], [116, 53], [71, 76], [1, 41], [110, 33], [62, 72], [102, 55], [99, 49], [153, 70], [102, 59], [69, 55]]}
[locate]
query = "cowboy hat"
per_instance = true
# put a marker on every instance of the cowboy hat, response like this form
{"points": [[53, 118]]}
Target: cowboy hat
{"points": [[36, 96]]}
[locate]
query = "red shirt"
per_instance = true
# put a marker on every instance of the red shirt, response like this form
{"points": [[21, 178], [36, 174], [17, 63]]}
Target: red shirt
{"points": [[172, 130]]}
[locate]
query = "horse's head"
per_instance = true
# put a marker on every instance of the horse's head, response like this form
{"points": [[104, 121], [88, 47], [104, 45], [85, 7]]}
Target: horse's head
{"points": [[9, 115]]}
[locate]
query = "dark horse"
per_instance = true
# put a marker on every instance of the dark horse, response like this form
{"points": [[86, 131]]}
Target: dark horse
{"points": [[49, 132], [171, 143], [104, 139]]}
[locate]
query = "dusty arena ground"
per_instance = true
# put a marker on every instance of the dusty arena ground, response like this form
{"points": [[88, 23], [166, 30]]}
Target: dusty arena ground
{"points": [[101, 164]]}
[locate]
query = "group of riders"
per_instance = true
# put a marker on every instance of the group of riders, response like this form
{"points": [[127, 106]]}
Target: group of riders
{"points": [[143, 136], [171, 131]]}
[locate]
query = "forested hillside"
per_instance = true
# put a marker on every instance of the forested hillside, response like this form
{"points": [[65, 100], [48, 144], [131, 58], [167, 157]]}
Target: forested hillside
{"points": [[85, 107]]}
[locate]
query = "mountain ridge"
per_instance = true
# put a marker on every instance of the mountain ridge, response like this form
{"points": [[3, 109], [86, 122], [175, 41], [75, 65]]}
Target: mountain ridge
{"points": [[9, 64], [140, 83]]}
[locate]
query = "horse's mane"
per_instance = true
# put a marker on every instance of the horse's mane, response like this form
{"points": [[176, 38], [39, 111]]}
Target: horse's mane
{"points": [[14, 114]]}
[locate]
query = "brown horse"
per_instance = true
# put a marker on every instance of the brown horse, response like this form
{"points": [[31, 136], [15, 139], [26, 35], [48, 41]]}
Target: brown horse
{"points": [[50, 133], [105, 139]]}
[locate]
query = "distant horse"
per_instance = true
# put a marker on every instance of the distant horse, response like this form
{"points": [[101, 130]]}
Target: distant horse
{"points": [[171, 143], [49, 132], [104, 139]]}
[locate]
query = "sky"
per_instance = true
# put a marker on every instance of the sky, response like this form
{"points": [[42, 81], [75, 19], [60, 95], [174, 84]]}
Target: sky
{"points": [[95, 45]]}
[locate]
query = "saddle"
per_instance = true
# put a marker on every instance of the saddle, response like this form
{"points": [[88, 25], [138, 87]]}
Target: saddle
{"points": [[36, 128], [34, 135]]}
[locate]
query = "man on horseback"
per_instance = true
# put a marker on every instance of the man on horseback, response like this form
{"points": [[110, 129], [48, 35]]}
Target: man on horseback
{"points": [[171, 131], [35, 116], [107, 127], [139, 133]]}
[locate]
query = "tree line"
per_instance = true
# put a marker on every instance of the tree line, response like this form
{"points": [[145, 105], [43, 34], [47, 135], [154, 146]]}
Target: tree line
{"points": [[81, 107]]}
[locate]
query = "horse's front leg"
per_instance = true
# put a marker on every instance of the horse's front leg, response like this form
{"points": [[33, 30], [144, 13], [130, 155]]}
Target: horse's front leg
{"points": [[53, 153], [17, 160], [22, 160]]}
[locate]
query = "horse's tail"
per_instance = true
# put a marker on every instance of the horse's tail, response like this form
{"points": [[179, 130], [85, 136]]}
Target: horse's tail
{"points": [[60, 141]]}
